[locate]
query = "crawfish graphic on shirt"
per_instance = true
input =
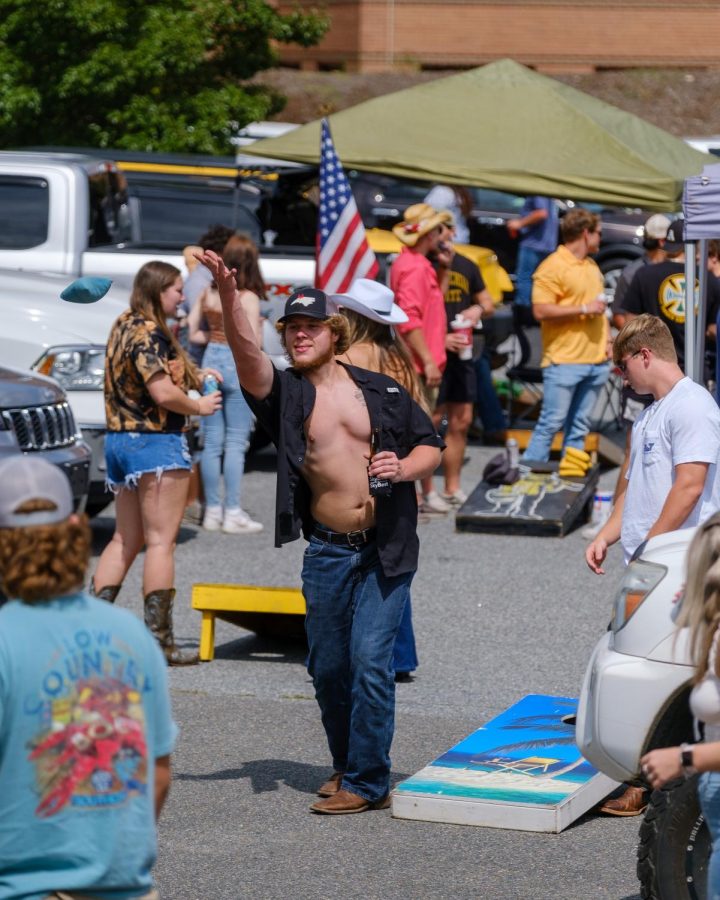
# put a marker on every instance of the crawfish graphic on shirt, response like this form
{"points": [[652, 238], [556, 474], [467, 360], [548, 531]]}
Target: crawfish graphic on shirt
{"points": [[91, 750]]}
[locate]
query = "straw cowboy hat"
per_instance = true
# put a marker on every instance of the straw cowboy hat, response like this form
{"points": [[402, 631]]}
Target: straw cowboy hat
{"points": [[419, 219], [371, 299]]}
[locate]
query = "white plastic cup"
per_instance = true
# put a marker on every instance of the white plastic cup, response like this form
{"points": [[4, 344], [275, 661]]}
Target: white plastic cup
{"points": [[464, 328]]}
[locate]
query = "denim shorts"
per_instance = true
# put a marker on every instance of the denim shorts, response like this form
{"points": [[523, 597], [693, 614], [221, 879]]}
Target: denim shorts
{"points": [[130, 454]]}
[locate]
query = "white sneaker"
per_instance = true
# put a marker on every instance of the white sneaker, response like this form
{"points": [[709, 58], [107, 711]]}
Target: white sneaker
{"points": [[237, 521], [457, 498], [212, 520], [434, 503]]}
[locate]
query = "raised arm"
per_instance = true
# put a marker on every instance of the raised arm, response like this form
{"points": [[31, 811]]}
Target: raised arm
{"points": [[254, 368]]}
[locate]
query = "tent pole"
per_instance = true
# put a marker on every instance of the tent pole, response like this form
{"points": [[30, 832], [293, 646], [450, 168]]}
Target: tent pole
{"points": [[701, 324], [690, 309]]}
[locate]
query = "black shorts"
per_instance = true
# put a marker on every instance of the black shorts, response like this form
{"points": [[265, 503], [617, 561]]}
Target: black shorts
{"points": [[459, 382]]}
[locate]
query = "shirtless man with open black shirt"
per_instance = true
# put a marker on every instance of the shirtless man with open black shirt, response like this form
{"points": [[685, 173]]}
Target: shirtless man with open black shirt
{"points": [[363, 549]]}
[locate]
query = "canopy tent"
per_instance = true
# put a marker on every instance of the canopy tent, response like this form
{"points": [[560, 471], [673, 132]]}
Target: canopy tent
{"points": [[701, 211], [506, 127]]}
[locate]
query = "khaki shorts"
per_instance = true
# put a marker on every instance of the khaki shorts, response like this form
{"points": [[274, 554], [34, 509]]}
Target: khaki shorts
{"points": [[72, 895]]}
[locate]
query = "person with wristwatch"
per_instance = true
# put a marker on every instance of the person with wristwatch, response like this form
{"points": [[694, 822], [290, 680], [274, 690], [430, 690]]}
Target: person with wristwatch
{"points": [[700, 613]]}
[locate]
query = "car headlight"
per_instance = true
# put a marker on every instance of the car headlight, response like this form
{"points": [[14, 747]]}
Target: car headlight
{"points": [[640, 579], [74, 368]]}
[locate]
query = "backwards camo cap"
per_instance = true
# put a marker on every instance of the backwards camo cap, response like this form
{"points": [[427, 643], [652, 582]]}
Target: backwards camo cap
{"points": [[24, 478]]}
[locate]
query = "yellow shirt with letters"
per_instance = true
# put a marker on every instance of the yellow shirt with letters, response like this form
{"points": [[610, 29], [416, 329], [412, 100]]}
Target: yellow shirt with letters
{"points": [[565, 280]]}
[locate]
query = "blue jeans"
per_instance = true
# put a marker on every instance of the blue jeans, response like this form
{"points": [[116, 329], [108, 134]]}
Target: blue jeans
{"points": [[709, 796], [353, 616], [405, 653], [569, 395], [488, 405], [527, 261], [226, 433]]}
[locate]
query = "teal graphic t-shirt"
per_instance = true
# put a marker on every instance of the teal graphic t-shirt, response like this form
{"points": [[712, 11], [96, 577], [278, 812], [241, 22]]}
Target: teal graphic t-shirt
{"points": [[84, 713]]}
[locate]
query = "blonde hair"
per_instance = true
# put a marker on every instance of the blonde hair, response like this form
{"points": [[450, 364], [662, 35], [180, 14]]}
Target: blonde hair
{"points": [[645, 331], [41, 562], [393, 354], [700, 609], [151, 280], [337, 323]]}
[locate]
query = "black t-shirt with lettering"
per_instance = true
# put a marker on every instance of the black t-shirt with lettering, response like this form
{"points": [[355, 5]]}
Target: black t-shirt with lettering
{"points": [[659, 289], [465, 282]]}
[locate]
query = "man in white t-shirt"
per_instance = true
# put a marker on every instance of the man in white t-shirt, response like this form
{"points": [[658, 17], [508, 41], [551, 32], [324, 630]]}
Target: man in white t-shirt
{"points": [[675, 445], [672, 478]]}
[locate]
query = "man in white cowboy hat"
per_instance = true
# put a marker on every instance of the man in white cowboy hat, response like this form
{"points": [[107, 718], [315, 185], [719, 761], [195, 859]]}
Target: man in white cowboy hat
{"points": [[417, 292]]}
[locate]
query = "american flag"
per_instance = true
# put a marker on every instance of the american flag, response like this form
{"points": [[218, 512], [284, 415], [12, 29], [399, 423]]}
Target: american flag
{"points": [[343, 253]]}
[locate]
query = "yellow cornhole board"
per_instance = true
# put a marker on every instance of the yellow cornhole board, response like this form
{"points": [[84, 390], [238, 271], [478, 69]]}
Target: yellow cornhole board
{"points": [[265, 610]]}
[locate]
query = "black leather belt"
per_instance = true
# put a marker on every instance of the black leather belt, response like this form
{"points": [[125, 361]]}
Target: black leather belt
{"points": [[345, 539]]}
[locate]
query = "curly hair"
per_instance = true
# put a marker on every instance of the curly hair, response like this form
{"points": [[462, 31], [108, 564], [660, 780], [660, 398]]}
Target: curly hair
{"points": [[577, 221], [339, 326], [41, 562]]}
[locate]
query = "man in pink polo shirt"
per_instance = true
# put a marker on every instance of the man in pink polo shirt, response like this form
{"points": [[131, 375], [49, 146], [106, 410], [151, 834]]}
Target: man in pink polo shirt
{"points": [[417, 292]]}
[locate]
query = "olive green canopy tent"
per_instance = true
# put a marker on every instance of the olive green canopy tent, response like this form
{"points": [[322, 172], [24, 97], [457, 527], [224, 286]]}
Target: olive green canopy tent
{"points": [[506, 127]]}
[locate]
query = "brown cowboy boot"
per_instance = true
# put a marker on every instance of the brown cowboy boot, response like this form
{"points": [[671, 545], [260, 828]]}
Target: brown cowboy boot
{"points": [[158, 618], [108, 593]]}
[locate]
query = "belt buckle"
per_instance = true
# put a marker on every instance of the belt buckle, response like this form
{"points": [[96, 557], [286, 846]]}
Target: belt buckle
{"points": [[356, 538]]}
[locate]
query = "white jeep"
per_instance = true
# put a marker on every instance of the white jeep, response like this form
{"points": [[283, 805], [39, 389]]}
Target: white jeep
{"points": [[635, 698]]}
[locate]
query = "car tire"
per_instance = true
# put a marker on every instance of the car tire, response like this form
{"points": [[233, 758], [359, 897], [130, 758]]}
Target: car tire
{"points": [[674, 847], [611, 269]]}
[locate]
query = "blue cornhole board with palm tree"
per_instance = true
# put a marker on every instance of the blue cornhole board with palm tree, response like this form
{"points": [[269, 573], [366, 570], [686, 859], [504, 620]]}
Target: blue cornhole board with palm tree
{"points": [[522, 770]]}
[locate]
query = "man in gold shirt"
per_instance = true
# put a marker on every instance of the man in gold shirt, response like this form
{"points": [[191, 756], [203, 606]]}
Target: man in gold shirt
{"points": [[567, 301]]}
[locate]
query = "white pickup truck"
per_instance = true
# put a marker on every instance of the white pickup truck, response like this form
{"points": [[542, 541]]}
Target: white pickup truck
{"points": [[70, 215]]}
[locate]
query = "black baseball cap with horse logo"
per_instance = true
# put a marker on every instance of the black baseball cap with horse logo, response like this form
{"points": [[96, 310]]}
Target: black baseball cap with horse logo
{"points": [[307, 301]]}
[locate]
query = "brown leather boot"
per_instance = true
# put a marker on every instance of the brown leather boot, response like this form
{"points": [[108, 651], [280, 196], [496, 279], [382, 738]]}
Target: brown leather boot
{"points": [[158, 618], [331, 786], [109, 592]]}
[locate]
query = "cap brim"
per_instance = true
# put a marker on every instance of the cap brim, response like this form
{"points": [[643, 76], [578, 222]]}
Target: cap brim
{"points": [[308, 314], [395, 317]]}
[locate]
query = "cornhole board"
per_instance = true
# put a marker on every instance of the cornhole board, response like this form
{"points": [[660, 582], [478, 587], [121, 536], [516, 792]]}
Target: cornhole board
{"points": [[266, 610], [521, 771], [539, 503]]}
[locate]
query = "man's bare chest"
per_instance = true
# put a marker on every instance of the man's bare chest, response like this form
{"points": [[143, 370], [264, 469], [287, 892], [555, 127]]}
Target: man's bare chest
{"points": [[339, 414]]}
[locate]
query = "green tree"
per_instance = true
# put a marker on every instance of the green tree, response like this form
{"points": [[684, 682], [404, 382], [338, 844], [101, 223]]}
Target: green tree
{"points": [[168, 75]]}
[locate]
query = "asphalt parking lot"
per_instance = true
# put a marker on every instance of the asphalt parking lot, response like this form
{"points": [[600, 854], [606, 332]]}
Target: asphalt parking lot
{"points": [[496, 618]]}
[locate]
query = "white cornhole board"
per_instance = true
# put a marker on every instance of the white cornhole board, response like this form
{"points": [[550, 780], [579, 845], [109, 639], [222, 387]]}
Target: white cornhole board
{"points": [[521, 771]]}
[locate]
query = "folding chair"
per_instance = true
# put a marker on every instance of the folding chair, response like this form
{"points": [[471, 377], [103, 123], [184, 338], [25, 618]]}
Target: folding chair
{"points": [[526, 372]]}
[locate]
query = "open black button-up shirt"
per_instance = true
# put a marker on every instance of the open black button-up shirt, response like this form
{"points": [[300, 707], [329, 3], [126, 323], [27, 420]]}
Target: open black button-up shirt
{"points": [[403, 425]]}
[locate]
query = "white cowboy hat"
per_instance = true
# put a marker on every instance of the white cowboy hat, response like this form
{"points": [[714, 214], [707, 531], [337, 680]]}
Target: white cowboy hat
{"points": [[371, 299]]}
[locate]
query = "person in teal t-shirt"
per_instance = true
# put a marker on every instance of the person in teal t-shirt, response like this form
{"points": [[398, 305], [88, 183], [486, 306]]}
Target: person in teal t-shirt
{"points": [[85, 725]]}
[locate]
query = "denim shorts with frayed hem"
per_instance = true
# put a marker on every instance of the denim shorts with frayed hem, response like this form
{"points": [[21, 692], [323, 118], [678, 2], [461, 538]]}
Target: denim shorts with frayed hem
{"points": [[130, 454]]}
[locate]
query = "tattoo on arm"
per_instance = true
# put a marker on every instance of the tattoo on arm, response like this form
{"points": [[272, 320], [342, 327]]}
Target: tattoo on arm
{"points": [[358, 394]]}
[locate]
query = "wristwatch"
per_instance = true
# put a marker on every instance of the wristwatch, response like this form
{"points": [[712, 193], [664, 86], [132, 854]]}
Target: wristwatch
{"points": [[686, 760]]}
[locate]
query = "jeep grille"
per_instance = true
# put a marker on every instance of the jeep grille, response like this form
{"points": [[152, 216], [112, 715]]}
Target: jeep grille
{"points": [[42, 427]]}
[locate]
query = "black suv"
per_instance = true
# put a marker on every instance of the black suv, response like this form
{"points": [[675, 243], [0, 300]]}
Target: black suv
{"points": [[35, 418]]}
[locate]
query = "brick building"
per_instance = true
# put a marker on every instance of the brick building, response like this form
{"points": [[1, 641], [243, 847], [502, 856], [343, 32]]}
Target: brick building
{"points": [[550, 35]]}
